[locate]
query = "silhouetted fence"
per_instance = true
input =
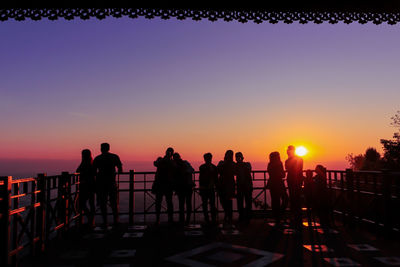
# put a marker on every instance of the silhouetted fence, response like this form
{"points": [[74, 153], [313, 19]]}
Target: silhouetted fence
{"points": [[34, 210]]}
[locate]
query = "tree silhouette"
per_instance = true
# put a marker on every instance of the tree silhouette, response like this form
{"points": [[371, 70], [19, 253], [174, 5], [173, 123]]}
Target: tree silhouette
{"points": [[391, 147]]}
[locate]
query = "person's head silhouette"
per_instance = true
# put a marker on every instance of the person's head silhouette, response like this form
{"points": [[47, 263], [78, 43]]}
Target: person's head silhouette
{"points": [[228, 155], [320, 170], [290, 151], [169, 152], [274, 157], [239, 157], [207, 158], [87, 155], [105, 147], [177, 157]]}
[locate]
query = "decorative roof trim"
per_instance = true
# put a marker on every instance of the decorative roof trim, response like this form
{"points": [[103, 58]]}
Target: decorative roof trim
{"points": [[300, 15]]}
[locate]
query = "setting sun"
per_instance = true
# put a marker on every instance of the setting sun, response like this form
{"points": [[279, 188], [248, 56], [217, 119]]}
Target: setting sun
{"points": [[301, 151]]}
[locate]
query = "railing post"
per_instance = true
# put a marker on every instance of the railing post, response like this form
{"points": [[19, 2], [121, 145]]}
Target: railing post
{"points": [[350, 196], [5, 192], [131, 196], [41, 213], [77, 179], [387, 201], [67, 191]]}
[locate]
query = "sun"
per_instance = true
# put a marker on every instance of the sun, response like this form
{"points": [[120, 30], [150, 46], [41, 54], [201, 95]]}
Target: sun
{"points": [[301, 151]]}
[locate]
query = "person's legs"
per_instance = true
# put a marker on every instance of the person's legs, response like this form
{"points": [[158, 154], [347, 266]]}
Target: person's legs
{"points": [[213, 209], [188, 205], [159, 196], [170, 206], [114, 203], [204, 204], [275, 205], [103, 194], [249, 204], [239, 199], [181, 199], [92, 211]]}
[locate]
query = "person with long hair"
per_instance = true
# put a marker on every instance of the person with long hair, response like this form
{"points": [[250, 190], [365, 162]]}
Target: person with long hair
{"points": [[244, 186], [276, 186], [226, 186], [87, 186], [183, 187]]}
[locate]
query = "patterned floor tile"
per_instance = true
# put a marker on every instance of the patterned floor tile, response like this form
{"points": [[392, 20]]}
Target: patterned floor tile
{"points": [[224, 254], [341, 262]]}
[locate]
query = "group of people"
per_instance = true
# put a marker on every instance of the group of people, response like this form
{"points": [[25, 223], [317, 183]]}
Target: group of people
{"points": [[230, 179], [176, 175]]}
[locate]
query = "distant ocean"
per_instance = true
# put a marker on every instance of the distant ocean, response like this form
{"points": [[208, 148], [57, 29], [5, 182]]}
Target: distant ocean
{"points": [[22, 168]]}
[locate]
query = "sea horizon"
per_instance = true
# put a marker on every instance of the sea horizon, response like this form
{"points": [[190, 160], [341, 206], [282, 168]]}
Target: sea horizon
{"points": [[23, 168]]}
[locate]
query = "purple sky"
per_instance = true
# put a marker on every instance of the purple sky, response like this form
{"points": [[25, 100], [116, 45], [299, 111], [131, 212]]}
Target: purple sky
{"points": [[143, 85]]}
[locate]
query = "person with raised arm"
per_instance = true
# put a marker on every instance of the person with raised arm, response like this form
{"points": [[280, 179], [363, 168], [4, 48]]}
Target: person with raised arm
{"points": [[164, 183]]}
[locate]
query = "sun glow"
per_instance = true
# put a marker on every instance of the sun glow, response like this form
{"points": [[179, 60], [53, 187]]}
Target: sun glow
{"points": [[301, 151]]}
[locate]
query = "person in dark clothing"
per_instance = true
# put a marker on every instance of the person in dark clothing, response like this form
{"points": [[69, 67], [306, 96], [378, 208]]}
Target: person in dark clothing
{"points": [[87, 185], [244, 187], [321, 196], [276, 186], [104, 165], [208, 179], [226, 186], [184, 187], [164, 183], [294, 168], [308, 193]]}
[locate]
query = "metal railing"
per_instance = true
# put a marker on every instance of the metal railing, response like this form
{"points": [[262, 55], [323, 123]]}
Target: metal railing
{"points": [[34, 210]]}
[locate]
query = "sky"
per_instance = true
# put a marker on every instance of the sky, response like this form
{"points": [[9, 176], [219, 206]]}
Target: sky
{"points": [[144, 85]]}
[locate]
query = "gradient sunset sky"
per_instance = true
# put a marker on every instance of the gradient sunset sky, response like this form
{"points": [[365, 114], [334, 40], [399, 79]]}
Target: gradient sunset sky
{"points": [[143, 85]]}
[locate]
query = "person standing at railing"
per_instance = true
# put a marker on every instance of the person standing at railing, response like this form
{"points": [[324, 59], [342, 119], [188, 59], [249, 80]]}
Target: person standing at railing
{"points": [[208, 179], [244, 186], [163, 184], [184, 187], [87, 186], [321, 196], [294, 168], [276, 186], [226, 186], [105, 165]]}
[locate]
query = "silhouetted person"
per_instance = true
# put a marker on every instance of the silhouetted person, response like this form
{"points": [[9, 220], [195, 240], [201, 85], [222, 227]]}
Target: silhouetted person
{"points": [[226, 185], [87, 185], [105, 165], [321, 196], [164, 183], [276, 186], [208, 179], [308, 193], [244, 187], [294, 168], [184, 187]]}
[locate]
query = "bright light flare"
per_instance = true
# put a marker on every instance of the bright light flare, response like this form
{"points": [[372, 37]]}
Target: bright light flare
{"points": [[301, 151]]}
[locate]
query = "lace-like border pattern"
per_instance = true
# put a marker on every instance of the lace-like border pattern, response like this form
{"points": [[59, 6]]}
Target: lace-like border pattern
{"points": [[256, 16]]}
